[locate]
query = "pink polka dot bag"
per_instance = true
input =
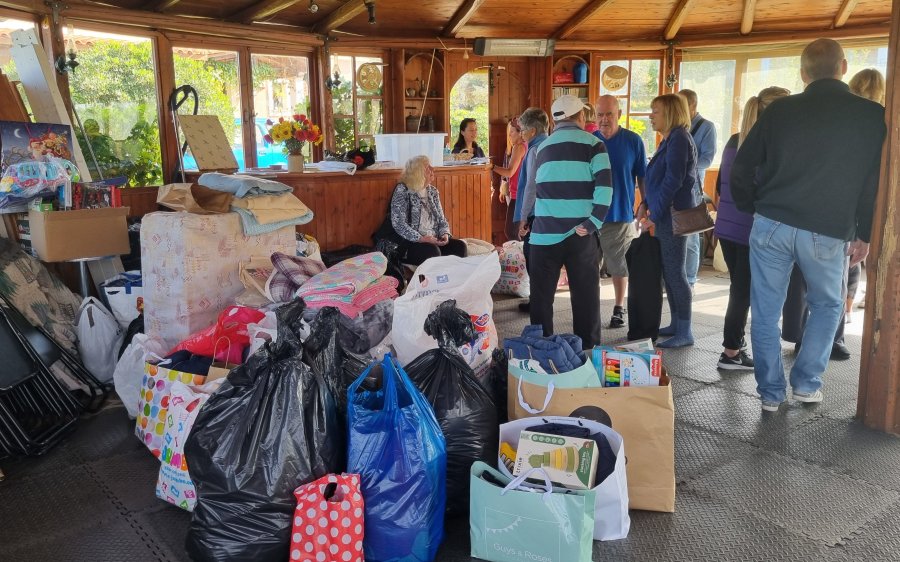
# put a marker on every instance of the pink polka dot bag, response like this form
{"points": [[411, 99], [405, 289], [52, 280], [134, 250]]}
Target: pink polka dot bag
{"points": [[328, 521]]}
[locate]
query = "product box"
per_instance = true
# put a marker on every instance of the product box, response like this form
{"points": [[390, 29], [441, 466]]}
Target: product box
{"points": [[87, 233], [627, 368], [570, 462], [400, 147]]}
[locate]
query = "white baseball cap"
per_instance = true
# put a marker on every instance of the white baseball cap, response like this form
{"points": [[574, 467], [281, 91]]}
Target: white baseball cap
{"points": [[565, 106]]}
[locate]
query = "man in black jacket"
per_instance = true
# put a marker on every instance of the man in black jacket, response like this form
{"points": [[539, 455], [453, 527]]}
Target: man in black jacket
{"points": [[809, 171]]}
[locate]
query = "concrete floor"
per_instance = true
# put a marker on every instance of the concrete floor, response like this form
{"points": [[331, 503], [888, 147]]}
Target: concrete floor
{"points": [[807, 483]]}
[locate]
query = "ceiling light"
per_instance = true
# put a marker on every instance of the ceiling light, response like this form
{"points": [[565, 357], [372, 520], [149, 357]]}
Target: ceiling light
{"points": [[370, 6], [313, 7], [514, 47]]}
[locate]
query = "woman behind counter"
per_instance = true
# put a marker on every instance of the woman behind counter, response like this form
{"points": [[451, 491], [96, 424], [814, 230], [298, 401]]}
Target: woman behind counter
{"points": [[417, 218], [468, 132], [670, 185]]}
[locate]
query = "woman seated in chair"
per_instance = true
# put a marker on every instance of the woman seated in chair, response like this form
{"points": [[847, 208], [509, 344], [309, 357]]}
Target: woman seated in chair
{"points": [[417, 218]]}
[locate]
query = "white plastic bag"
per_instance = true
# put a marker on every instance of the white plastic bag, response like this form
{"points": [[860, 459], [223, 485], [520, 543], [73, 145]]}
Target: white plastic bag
{"points": [[263, 331], [174, 484], [130, 369], [468, 281], [513, 275], [124, 294], [99, 338]]}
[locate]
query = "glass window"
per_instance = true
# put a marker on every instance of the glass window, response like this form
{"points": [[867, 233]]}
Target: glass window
{"points": [[635, 83], [214, 74], [114, 92], [7, 26], [775, 71], [280, 89], [357, 104], [866, 57], [714, 83], [469, 98]]}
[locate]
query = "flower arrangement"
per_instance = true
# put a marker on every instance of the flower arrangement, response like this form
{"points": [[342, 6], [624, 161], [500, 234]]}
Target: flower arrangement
{"points": [[294, 133]]}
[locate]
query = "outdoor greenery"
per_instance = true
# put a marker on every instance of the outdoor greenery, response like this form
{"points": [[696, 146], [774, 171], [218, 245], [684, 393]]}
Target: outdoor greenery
{"points": [[469, 98]]}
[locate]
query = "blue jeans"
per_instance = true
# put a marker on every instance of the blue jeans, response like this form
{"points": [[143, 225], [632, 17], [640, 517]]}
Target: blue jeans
{"points": [[774, 249], [692, 258]]}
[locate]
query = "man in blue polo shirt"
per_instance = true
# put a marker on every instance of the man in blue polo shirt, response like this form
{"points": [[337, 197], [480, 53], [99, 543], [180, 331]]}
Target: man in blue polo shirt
{"points": [[628, 163], [569, 194]]}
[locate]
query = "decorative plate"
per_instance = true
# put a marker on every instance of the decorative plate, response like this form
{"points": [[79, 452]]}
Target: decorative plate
{"points": [[369, 77], [614, 78]]}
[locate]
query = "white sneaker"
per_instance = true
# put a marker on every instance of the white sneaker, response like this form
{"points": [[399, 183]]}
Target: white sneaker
{"points": [[808, 397], [768, 406]]}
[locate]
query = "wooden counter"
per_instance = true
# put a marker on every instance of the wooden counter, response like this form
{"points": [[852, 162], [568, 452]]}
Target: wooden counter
{"points": [[348, 209]]}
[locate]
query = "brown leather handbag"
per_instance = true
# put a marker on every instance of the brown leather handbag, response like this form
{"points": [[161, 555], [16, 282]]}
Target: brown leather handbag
{"points": [[691, 221]]}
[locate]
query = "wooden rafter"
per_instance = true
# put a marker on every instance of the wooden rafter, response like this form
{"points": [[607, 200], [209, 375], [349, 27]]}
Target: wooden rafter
{"points": [[844, 12], [345, 12], [581, 17], [678, 17], [260, 10], [461, 17], [160, 5], [747, 18]]}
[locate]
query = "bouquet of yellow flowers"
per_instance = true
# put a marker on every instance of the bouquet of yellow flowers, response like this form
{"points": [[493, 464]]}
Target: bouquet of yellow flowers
{"points": [[294, 133]]}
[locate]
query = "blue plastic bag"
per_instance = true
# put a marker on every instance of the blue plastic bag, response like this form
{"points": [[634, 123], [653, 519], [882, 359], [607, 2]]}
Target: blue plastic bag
{"points": [[396, 445]]}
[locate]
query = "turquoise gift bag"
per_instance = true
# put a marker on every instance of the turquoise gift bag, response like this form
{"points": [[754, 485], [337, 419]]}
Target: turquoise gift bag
{"points": [[512, 523]]}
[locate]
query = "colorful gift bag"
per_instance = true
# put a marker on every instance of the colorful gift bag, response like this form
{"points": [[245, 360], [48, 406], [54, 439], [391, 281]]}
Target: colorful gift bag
{"points": [[513, 275], [154, 404], [174, 484], [329, 521], [511, 522]]}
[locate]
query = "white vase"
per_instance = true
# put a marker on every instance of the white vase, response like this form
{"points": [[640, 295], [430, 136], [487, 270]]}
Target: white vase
{"points": [[295, 163]]}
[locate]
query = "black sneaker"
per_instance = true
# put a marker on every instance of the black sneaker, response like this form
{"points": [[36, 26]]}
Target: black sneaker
{"points": [[618, 317], [740, 362]]}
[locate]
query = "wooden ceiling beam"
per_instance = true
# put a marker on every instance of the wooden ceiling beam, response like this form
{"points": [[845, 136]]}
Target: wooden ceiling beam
{"points": [[678, 16], [844, 12], [160, 5], [461, 17], [773, 37], [588, 11], [344, 13], [747, 18], [259, 11]]}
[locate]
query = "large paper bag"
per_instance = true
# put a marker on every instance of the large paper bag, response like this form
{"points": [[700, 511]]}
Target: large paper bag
{"points": [[643, 415]]}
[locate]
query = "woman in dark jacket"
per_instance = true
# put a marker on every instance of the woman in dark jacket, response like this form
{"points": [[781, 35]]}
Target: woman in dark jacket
{"points": [[417, 218], [733, 231], [465, 142], [670, 180]]}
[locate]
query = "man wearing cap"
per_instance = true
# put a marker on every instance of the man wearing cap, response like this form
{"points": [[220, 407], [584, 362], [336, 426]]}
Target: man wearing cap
{"points": [[628, 161], [569, 193]]}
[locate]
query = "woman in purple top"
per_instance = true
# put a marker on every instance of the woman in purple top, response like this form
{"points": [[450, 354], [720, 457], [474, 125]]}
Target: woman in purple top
{"points": [[733, 231]]}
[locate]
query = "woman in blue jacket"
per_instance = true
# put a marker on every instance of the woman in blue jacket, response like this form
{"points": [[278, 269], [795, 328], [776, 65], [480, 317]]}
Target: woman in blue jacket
{"points": [[670, 180]]}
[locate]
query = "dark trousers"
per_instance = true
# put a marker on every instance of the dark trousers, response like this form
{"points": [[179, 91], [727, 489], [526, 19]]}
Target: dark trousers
{"points": [[420, 251], [511, 227], [737, 257], [526, 245], [581, 257], [796, 311]]}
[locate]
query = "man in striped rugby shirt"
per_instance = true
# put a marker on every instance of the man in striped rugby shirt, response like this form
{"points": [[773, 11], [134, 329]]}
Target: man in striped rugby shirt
{"points": [[569, 190]]}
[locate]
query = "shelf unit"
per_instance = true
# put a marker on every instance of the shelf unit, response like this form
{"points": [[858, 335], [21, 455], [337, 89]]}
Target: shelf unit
{"points": [[565, 62], [416, 76]]}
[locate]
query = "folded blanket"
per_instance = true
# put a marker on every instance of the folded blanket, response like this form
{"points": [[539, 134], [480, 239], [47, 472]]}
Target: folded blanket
{"points": [[290, 273], [267, 209], [353, 306], [252, 227], [347, 277], [241, 186], [348, 168]]}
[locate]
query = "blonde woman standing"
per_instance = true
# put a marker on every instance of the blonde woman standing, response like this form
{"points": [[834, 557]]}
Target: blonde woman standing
{"points": [[733, 231], [671, 175], [509, 174]]}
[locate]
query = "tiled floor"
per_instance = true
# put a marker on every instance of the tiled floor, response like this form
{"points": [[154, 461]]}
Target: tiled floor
{"points": [[807, 483]]}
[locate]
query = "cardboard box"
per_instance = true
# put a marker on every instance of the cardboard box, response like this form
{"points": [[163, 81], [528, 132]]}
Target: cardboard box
{"points": [[86, 233], [570, 462], [627, 368]]}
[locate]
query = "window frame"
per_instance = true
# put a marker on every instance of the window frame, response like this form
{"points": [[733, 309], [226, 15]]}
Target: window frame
{"points": [[354, 54], [598, 58]]}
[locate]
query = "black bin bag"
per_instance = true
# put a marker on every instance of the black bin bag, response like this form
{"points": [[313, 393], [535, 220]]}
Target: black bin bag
{"points": [[272, 426], [464, 409], [328, 357]]}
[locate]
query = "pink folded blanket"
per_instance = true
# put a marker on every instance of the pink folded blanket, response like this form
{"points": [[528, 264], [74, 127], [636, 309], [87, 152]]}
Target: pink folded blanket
{"points": [[347, 278], [354, 305]]}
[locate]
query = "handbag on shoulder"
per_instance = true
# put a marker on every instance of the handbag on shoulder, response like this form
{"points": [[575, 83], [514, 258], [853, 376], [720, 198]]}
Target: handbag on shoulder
{"points": [[691, 221]]}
